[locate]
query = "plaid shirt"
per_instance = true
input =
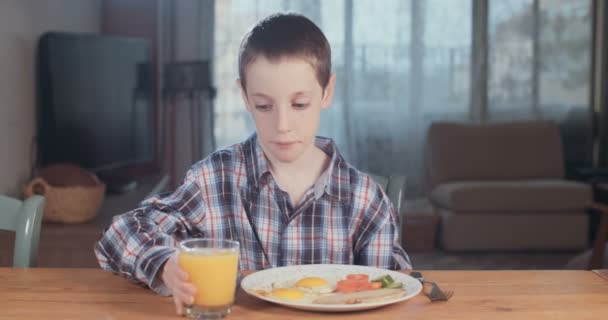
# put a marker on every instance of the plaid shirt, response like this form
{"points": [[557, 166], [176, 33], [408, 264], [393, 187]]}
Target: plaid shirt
{"points": [[345, 218]]}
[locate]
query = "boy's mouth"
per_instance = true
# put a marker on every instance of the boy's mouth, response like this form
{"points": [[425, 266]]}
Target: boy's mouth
{"points": [[285, 145]]}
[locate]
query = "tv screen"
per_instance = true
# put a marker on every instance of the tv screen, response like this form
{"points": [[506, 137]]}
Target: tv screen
{"points": [[93, 106]]}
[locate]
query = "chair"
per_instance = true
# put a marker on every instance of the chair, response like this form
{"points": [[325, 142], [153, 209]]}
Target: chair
{"points": [[23, 217], [502, 186], [393, 187]]}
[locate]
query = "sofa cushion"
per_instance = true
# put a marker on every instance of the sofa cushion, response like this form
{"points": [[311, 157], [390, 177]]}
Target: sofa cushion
{"points": [[512, 196], [563, 231], [494, 151]]}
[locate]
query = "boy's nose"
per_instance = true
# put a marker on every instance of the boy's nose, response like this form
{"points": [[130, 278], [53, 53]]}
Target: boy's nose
{"points": [[283, 122]]}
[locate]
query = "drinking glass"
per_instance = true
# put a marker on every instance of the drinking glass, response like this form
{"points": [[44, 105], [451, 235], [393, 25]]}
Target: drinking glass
{"points": [[212, 266]]}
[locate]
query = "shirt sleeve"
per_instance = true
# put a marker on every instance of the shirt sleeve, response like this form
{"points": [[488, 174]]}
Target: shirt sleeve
{"points": [[137, 243], [377, 244]]}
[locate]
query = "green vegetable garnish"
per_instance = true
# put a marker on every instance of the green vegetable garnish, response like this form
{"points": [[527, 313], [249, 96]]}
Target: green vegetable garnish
{"points": [[388, 282], [394, 285]]}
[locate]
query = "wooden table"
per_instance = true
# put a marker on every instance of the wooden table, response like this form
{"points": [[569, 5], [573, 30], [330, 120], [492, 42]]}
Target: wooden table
{"points": [[96, 294]]}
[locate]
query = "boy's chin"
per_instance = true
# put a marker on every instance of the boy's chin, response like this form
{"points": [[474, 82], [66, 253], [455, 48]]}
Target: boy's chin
{"points": [[287, 156]]}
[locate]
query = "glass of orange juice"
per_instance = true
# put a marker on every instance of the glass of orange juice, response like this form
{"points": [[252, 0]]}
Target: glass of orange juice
{"points": [[212, 267]]}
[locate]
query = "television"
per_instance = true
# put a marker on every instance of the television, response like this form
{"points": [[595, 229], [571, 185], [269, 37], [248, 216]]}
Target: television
{"points": [[96, 107]]}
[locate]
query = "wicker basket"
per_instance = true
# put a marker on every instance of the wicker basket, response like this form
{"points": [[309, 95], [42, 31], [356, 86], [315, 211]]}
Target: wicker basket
{"points": [[73, 195]]}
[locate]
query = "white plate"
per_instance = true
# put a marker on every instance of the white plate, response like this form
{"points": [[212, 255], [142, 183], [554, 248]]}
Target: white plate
{"points": [[264, 279]]}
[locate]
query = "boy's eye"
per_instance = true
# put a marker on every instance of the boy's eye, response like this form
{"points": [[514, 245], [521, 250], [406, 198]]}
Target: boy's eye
{"points": [[300, 105], [263, 107]]}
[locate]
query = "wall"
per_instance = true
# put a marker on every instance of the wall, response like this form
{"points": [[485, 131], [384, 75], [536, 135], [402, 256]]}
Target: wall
{"points": [[21, 23]]}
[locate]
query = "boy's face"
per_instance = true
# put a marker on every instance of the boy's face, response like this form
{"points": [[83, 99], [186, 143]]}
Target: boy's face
{"points": [[285, 100]]}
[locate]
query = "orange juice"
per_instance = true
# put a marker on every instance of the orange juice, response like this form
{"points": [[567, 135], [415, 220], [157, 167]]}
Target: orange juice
{"points": [[213, 272]]}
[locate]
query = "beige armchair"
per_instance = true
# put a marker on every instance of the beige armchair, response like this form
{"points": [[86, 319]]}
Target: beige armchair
{"points": [[502, 187]]}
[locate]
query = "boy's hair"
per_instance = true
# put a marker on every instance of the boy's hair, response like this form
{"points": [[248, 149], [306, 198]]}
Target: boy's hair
{"points": [[287, 35]]}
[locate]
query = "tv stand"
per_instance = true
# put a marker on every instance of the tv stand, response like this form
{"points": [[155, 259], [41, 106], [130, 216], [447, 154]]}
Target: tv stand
{"points": [[121, 186], [117, 183]]}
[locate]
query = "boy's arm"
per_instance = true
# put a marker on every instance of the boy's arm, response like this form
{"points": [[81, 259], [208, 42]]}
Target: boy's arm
{"points": [[137, 243], [378, 243]]}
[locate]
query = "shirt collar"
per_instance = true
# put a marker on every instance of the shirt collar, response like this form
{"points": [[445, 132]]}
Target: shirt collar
{"points": [[335, 180]]}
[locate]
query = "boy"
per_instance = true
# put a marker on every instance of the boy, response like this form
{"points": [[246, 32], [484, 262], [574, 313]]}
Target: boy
{"points": [[286, 195]]}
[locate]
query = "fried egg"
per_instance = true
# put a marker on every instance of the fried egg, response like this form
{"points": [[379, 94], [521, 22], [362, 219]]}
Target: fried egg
{"points": [[303, 290], [288, 294], [315, 285]]}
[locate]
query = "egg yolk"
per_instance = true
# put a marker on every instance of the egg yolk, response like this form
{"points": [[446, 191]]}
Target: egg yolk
{"points": [[288, 294], [312, 282]]}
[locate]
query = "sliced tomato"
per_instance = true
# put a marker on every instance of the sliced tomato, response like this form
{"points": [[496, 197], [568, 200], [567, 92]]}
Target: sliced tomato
{"points": [[346, 286], [361, 276], [355, 283]]}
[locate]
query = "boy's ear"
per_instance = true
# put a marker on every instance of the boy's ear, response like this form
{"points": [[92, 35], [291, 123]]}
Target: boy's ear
{"points": [[328, 93], [243, 94]]}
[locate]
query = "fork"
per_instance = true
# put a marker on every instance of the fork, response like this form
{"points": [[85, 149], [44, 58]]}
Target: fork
{"points": [[436, 293]]}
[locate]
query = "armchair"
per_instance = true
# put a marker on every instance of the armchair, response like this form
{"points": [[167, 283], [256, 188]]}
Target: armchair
{"points": [[502, 186]]}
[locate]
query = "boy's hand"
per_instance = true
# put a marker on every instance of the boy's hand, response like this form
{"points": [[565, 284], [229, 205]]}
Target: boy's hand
{"points": [[176, 279]]}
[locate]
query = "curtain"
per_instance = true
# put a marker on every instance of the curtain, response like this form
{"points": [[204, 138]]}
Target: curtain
{"points": [[540, 68], [186, 118], [402, 65]]}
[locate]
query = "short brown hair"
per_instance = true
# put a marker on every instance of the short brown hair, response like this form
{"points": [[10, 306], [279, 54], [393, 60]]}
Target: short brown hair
{"points": [[287, 35]]}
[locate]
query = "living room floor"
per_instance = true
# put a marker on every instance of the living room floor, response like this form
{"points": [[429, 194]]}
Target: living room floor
{"points": [[441, 260]]}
